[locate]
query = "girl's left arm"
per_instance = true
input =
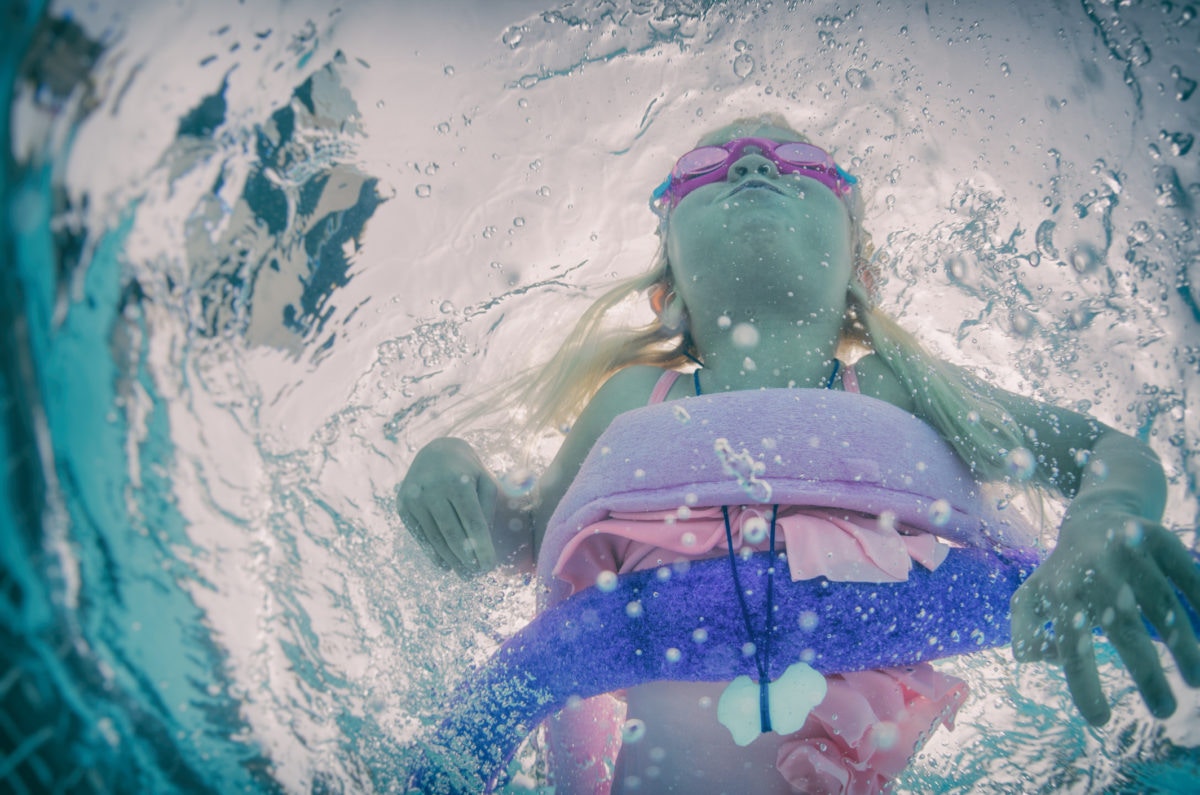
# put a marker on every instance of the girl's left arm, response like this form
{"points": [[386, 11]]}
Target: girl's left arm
{"points": [[1114, 566]]}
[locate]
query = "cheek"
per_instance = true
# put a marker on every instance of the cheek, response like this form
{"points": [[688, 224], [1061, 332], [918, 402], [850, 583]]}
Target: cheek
{"points": [[686, 234]]}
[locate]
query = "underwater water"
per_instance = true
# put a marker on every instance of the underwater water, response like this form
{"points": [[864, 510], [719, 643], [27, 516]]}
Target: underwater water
{"points": [[254, 251]]}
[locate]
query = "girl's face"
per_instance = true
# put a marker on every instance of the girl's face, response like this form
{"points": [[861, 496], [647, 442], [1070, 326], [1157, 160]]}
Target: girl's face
{"points": [[785, 232]]}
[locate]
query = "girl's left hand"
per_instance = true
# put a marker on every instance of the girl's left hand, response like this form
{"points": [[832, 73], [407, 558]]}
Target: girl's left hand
{"points": [[1117, 571]]}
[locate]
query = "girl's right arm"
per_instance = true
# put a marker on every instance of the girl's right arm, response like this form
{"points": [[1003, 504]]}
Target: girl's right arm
{"points": [[457, 510]]}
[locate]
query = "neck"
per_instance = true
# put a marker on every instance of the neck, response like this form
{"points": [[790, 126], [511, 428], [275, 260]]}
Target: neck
{"points": [[786, 353]]}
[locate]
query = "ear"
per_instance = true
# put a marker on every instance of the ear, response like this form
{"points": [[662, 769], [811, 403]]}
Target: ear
{"points": [[865, 275], [659, 295], [668, 307]]}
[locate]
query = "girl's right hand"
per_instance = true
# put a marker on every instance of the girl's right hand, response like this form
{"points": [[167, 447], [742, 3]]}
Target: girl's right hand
{"points": [[447, 501]]}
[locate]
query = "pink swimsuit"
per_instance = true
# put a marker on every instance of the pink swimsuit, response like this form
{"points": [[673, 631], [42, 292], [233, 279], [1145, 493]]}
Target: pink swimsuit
{"points": [[870, 723]]}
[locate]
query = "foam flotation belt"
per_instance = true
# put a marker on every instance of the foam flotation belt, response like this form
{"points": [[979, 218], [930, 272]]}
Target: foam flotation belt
{"points": [[811, 447]]}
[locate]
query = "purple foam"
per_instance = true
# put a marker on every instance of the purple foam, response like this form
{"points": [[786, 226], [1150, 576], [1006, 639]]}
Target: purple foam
{"points": [[595, 643]]}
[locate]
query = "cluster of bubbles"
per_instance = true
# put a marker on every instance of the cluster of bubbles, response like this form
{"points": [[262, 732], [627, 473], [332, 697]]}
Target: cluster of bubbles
{"points": [[743, 466]]}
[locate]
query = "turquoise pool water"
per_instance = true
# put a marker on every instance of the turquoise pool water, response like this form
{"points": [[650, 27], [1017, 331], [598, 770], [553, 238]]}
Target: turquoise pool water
{"points": [[252, 252]]}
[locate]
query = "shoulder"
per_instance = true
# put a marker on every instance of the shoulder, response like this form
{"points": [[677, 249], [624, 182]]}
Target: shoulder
{"points": [[626, 389], [876, 379]]}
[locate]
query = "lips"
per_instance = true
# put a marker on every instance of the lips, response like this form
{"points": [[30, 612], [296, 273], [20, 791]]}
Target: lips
{"points": [[755, 184]]}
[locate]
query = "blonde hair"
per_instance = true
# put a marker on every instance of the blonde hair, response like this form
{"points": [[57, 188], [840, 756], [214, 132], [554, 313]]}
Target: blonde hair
{"points": [[955, 402]]}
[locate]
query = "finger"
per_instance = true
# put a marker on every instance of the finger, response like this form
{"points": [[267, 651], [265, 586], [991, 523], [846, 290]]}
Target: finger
{"points": [[1180, 566], [462, 551], [1128, 635], [406, 503], [1079, 667], [423, 528], [470, 513], [1031, 640], [1166, 614]]}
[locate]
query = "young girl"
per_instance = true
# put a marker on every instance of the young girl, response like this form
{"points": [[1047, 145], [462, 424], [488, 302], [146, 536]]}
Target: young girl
{"points": [[763, 282]]}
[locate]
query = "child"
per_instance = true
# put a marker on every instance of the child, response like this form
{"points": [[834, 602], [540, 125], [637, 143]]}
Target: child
{"points": [[763, 279]]}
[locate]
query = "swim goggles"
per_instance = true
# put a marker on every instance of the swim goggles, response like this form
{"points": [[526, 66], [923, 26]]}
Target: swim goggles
{"points": [[709, 164]]}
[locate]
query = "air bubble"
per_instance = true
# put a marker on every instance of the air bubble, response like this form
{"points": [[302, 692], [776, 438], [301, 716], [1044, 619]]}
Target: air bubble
{"points": [[745, 336], [754, 530], [633, 609], [885, 735], [1020, 464], [1139, 52], [1184, 88], [1179, 144], [1044, 238], [1085, 259], [606, 581], [743, 65], [517, 482], [939, 513], [673, 655], [424, 191], [1023, 323], [512, 37], [808, 621], [633, 730], [700, 635]]}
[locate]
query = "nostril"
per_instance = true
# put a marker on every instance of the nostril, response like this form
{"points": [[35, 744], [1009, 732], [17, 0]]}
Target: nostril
{"points": [[764, 169]]}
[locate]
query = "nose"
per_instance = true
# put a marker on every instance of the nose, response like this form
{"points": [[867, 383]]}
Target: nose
{"points": [[752, 165]]}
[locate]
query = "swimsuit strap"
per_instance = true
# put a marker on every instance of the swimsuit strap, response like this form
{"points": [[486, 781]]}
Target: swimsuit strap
{"points": [[663, 386], [850, 379]]}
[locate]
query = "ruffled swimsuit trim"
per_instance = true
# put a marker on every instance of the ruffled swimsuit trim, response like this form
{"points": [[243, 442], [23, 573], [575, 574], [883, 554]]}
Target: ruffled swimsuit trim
{"points": [[820, 542]]}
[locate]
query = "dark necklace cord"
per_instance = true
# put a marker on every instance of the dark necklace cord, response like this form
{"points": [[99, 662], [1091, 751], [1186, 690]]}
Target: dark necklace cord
{"points": [[762, 651]]}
